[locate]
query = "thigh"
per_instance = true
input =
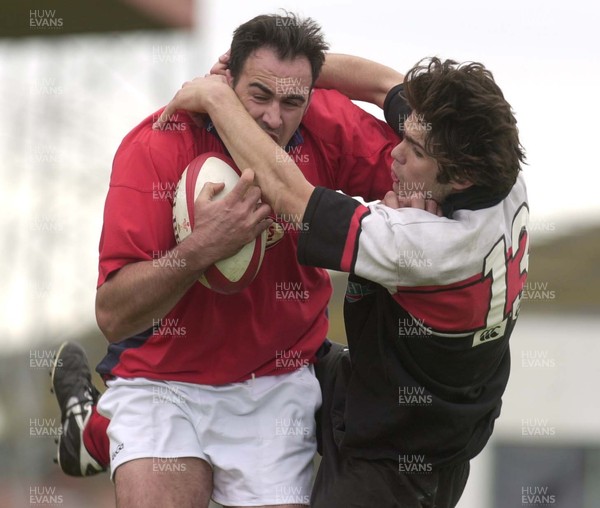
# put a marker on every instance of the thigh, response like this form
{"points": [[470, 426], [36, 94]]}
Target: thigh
{"points": [[451, 485], [148, 420], [261, 441], [333, 372], [185, 482], [348, 482]]}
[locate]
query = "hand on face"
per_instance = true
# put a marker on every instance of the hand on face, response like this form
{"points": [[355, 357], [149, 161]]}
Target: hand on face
{"points": [[222, 64], [190, 97], [417, 199]]}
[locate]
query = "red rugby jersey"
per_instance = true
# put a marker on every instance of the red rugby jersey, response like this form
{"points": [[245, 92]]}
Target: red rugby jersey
{"points": [[276, 324]]}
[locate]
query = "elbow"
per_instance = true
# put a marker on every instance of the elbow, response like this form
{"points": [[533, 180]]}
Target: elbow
{"points": [[291, 199], [107, 320]]}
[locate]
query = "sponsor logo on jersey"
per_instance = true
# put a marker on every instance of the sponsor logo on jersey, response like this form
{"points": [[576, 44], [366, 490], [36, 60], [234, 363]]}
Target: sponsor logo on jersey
{"points": [[489, 334], [274, 235], [355, 291]]}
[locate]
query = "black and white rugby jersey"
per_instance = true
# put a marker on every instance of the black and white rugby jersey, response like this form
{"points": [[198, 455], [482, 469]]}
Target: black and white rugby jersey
{"points": [[430, 306]]}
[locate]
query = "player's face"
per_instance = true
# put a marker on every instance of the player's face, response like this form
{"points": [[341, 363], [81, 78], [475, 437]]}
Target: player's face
{"points": [[275, 92], [413, 171]]}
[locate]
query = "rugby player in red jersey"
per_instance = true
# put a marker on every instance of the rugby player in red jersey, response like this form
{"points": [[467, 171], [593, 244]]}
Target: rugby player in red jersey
{"points": [[194, 377]]}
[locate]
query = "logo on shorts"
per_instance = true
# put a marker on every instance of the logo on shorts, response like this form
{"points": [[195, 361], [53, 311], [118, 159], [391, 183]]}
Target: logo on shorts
{"points": [[117, 451]]}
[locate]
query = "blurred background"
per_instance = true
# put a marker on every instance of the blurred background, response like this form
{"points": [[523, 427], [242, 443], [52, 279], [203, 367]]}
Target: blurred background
{"points": [[75, 77]]}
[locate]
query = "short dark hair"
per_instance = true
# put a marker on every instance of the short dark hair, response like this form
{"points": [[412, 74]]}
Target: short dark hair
{"points": [[471, 129], [288, 35]]}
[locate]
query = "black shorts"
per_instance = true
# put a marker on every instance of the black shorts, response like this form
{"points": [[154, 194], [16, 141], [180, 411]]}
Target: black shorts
{"points": [[350, 482]]}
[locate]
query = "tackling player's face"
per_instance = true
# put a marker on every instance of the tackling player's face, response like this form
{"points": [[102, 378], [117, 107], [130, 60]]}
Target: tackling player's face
{"points": [[275, 92], [413, 171]]}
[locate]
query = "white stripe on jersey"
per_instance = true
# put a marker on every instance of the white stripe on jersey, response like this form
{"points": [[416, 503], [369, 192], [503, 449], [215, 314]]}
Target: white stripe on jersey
{"points": [[426, 250]]}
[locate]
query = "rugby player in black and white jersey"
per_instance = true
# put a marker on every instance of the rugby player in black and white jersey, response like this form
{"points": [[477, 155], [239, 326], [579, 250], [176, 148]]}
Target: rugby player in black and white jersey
{"points": [[436, 275]]}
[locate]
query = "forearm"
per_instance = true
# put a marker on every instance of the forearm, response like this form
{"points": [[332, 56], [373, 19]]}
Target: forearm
{"points": [[139, 294], [282, 183], [358, 78], [142, 293]]}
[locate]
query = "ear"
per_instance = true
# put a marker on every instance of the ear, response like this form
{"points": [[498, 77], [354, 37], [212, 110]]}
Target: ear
{"points": [[461, 185], [229, 78], [308, 102]]}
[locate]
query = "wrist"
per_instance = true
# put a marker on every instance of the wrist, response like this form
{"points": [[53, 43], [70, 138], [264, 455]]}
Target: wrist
{"points": [[219, 95], [192, 259]]}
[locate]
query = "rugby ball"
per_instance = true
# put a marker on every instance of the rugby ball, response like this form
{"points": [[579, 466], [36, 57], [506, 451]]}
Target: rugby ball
{"points": [[232, 274]]}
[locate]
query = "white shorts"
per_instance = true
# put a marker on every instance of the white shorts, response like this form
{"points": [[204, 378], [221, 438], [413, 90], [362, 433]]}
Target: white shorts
{"points": [[258, 436]]}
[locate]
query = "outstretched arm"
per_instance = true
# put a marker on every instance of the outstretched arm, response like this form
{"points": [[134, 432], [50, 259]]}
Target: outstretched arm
{"points": [[358, 78], [282, 184]]}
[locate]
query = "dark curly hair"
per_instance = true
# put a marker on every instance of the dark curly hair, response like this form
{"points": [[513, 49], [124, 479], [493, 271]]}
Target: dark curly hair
{"points": [[288, 35], [471, 129]]}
